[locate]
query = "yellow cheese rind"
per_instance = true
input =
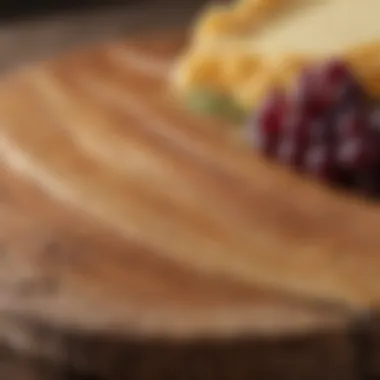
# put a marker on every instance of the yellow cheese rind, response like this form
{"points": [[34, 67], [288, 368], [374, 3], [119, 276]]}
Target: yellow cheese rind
{"points": [[224, 59]]}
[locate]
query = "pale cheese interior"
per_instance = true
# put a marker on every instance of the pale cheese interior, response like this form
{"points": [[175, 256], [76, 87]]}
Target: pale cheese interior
{"points": [[320, 27]]}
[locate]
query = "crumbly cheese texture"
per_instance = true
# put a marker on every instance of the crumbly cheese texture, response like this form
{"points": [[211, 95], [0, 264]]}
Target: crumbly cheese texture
{"points": [[243, 49]]}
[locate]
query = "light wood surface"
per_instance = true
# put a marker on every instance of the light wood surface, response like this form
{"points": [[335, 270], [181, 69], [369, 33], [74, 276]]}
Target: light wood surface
{"points": [[79, 298], [82, 287]]}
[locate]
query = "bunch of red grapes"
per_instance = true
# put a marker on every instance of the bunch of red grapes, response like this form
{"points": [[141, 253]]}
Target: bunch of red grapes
{"points": [[326, 126]]}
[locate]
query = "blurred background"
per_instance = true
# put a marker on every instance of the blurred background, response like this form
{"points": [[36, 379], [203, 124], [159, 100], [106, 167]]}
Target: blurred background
{"points": [[22, 8], [34, 29]]}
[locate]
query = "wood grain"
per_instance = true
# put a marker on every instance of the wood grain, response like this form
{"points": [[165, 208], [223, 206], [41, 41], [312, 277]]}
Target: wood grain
{"points": [[139, 241]]}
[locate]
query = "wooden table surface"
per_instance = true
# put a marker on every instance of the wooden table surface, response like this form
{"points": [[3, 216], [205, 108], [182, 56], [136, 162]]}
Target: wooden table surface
{"points": [[27, 40], [30, 40]]}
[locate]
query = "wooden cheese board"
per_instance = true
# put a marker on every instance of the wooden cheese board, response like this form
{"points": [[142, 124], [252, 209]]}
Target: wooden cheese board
{"points": [[102, 179]]}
